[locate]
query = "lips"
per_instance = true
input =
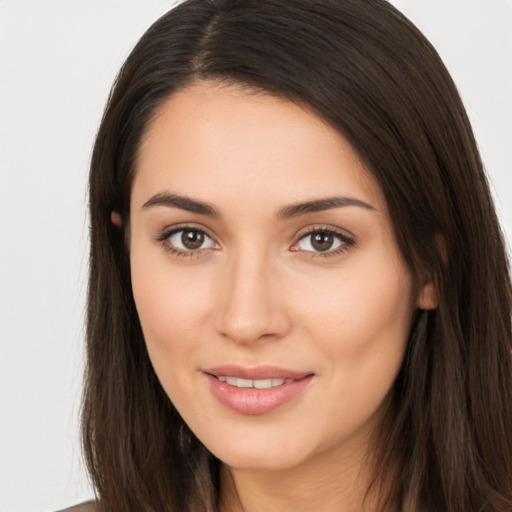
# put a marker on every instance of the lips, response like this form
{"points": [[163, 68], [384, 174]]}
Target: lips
{"points": [[256, 373], [254, 383], [257, 390]]}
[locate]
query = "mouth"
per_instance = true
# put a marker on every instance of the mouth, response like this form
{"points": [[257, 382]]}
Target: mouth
{"points": [[256, 383], [255, 391]]}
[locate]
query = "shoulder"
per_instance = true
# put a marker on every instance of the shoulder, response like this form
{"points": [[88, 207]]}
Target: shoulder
{"points": [[89, 506]]}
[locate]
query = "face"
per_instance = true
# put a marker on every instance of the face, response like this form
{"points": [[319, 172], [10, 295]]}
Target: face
{"points": [[273, 299]]}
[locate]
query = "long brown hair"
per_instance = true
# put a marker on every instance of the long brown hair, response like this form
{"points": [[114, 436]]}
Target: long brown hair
{"points": [[365, 69]]}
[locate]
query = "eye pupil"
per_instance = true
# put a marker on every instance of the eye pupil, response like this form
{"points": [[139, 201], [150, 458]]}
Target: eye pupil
{"points": [[192, 239], [322, 241]]}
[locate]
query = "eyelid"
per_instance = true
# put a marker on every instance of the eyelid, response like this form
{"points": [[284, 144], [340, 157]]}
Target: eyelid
{"points": [[174, 240], [348, 240], [166, 233], [192, 226]]}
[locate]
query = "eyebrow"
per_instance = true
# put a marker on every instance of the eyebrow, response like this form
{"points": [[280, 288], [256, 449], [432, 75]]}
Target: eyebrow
{"points": [[287, 212], [183, 203], [319, 205]]}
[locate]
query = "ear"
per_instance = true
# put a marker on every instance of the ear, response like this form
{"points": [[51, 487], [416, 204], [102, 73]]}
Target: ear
{"points": [[116, 219], [427, 297]]}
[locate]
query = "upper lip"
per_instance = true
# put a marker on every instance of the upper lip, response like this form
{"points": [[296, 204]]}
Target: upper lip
{"points": [[256, 372]]}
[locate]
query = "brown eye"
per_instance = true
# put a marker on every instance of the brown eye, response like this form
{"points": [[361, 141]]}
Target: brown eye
{"points": [[322, 241], [192, 239], [188, 240]]}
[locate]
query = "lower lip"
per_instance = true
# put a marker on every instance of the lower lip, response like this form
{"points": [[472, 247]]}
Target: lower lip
{"points": [[253, 401]]}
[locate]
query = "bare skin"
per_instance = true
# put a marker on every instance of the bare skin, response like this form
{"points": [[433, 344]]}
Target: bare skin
{"points": [[342, 486], [239, 263]]}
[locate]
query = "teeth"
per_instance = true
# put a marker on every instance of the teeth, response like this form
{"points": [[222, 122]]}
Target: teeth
{"points": [[266, 383], [257, 383], [243, 383]]}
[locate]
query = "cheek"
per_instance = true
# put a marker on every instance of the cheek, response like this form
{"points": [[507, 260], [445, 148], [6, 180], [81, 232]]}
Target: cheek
{"points": [[360, 325], [361, 320], [367, 300], [172, 310], [165, 308]]}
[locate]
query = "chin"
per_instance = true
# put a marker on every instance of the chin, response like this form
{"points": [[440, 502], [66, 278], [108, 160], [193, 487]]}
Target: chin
{"points": [[266, 453], [261, 461]]}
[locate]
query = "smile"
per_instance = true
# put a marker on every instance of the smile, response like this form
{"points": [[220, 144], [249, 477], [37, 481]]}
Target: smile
{"points": [[256, 383], [256, 391]]}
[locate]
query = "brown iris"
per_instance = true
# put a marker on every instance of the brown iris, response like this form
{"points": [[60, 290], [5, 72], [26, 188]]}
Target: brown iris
{"points": [[322, 241], [192, 239]]}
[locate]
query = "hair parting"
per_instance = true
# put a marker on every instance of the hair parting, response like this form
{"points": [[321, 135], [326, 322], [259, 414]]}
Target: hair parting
{"points": [[367, 71]]}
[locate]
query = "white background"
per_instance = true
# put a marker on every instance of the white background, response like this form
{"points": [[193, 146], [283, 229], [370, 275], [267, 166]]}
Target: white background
{"points": [[57, 61]]}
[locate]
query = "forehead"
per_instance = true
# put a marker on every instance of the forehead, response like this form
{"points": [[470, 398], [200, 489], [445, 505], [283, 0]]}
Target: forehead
{"points": [[218, 140]]}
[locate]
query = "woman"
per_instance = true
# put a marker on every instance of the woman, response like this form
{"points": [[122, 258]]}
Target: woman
{"points": [[299, 296]]}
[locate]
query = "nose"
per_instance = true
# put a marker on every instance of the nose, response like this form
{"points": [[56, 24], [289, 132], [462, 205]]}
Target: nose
{"points": [[251, 304]]}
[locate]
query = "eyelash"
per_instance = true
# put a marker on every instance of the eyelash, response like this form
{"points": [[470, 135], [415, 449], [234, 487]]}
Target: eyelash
{"points": [[346, 241], [163, 239]]}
